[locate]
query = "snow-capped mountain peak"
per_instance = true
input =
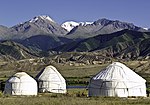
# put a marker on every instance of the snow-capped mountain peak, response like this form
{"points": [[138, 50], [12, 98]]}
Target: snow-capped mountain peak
{"points": [[71, 24], [146, 29], [44, 17], [85, 23]]}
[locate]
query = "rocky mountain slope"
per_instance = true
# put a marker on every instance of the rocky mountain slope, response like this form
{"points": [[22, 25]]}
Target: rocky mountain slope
{"points": [[5, 33], [10, 50], [41, 25], [101, 26], [123, 44], [36, 26], [43, 37], [44, 42]]}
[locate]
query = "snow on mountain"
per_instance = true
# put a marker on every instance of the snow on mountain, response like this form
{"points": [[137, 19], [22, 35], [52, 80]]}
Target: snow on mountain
{"points": [[38, 25], [146, 29], [44, 17], [71, 24], [85, 23]]}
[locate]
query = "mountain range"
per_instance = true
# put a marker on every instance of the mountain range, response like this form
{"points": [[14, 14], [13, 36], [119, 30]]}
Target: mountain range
{"points": [[123, 44], [42, 36], [45, 25]]}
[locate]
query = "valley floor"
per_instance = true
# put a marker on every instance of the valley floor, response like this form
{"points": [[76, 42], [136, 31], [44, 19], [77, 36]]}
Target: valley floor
{"points": [[73, 97], [75, 75]]}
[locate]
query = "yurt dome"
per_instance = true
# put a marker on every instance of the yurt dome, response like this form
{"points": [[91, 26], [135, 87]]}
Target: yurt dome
{"points": [[117, 80], [21, 84], [50, 80]]}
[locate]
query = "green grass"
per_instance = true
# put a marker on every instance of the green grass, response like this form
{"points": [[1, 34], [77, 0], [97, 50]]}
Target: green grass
{"points": [[78, 75], [73, 97], [74, 75]]}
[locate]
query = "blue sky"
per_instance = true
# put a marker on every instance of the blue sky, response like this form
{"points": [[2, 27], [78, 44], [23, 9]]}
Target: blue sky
{"points": [[134, 11]]}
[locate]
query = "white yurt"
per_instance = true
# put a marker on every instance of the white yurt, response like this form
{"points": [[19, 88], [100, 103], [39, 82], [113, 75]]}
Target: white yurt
{"points": [[50, 80], [21, 84], [117, 80]]}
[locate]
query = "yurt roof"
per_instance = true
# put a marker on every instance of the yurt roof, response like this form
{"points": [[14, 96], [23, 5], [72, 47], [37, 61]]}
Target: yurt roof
{"points": [[20, 77], [118, 72], [48, 73]]}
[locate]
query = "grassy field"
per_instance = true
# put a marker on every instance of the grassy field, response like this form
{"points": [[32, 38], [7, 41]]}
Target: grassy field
{"points": [[74, 75], [73, 97]]}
